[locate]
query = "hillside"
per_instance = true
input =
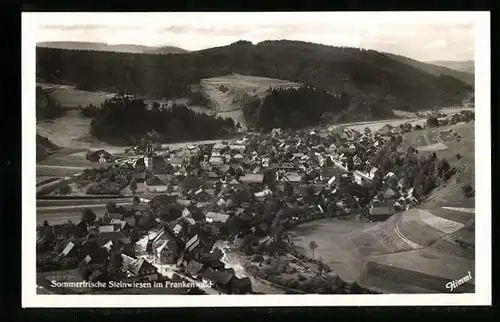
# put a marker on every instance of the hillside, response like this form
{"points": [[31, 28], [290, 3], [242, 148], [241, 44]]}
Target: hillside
{"points": [[361, 73], [463, 66], [44, 147], [123, 48], [439, 69], [166, 50]]}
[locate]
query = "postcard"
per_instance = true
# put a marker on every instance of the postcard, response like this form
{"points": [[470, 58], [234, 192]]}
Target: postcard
{"points": [[284, 159]]}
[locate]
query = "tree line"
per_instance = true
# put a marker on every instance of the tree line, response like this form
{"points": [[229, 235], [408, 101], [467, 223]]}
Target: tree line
{"points": [[295, 108], [122, 117]]}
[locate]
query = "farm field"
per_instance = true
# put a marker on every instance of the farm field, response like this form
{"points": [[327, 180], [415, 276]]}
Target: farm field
{"points": [[451, 194], [335, 247], [228, 92], [70, 97]]}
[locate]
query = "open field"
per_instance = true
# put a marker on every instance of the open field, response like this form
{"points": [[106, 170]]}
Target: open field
{"points": [[69, 97], [334, 245], [451, 194], [228, 92], [412, 252]]}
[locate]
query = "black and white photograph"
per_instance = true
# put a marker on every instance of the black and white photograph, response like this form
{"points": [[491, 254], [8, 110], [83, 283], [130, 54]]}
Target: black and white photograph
{"points": [[324, 158]]}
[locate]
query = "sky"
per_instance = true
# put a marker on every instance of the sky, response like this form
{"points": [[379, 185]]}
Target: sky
{"points": [[421, 39]]}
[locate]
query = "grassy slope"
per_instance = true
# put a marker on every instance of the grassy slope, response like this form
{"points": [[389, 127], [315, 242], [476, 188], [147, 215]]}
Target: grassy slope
{"points": [[451, 194]]}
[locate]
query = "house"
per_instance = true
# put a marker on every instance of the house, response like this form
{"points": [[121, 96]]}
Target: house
{"points": [[204, 165], [211, 175], [292, 177], [140, 269], [237, 148], [217, 147], [192, 244], [221, 202], [216, 217], [236, 168], [252, 178], [163, 200], [221, 279], [176, 162], [115, 236], [167, 251], [262, 194], [233, 182], [177, 229], [389, 193], [389, 175], [224, 168], [106, 229], [381, 213], [69, 251], [123, 225], [215, 160], [100, 156], [194, 268], [265, 240], [201, 195]]}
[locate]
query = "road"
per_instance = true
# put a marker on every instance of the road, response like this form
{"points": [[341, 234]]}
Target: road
{"points": [[44, 203], [61, 214]]}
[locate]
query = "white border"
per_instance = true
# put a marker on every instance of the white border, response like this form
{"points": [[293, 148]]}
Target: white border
{"points": [[481, 20]]}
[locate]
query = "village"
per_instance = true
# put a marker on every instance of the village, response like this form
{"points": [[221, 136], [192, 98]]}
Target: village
{"points": [[247, 192]]}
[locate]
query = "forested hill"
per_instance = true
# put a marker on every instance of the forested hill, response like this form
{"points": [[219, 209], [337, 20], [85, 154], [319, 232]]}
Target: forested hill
{"points": [[337, 69], [122, 48], [438, 69], [464, 66]]}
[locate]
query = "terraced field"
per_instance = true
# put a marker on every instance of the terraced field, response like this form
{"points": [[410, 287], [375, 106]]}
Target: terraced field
{"points": [[229, 92]]}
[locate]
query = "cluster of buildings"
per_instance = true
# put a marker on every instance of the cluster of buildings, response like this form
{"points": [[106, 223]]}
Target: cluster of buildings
{"points": [[191, 197]]}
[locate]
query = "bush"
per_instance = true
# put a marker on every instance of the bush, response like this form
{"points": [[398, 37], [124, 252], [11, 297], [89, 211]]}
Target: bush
{"points": [[432, 122], [274, 279], [468, 191], [257, 258], [305, 285], [294, 284], [302, 277], [64, 189]]}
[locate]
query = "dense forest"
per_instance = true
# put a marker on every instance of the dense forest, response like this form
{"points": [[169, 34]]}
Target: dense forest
{"points": [[306, 106], [124, 117], [336, 69], [46, 107]]}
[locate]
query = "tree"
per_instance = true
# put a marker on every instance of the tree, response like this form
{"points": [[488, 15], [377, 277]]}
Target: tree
{"points": [[312, 247], [111, 207], [432, 122], [45, 223], [442, 167], [106, 219], [288, 189], [269, 178], [133, 186], [88, 216], [115, 264]]}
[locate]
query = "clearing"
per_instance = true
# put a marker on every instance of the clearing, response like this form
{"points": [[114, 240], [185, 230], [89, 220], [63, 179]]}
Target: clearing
{"points": [[229, 92], [451, 194]]}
